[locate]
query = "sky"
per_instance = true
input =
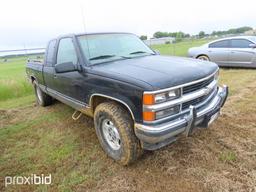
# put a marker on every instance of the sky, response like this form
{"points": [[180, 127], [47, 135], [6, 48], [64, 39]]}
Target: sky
{"points": [[31, 23]]}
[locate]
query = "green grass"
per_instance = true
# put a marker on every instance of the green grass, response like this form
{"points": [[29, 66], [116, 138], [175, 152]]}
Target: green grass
{"points": [[178, 49], [13, 82], [227, 156], [49, 142], [17, 102]]}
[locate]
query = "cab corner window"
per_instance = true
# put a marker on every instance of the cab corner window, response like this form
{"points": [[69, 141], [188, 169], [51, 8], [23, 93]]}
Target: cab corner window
{"points": [[66, 51], [50, 53]]}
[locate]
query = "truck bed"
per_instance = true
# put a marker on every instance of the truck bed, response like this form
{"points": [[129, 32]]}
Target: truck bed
{"points": [[35, 68]]}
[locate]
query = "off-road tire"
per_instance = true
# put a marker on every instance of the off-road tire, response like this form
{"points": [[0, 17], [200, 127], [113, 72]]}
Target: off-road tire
{"points": [[130, 148], [42, 98]]}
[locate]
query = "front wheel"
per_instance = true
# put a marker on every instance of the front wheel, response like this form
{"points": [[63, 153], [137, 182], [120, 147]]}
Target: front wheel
{"points": [[114, 128]]}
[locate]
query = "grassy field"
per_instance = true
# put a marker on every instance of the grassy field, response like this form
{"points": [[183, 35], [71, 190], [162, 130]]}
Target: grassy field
{"points": [[13, 82], [36, 140], [179, 49]]}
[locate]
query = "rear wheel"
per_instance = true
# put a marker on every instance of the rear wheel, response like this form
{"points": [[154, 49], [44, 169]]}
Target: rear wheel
{"points": [[203, 57], [42, 98], [114, 128]]}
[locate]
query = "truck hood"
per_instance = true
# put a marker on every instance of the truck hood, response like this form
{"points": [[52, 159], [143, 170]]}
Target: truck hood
{"points": [[159, 71]]}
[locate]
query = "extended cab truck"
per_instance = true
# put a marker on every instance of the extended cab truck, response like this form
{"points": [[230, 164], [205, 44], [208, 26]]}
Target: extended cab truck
{"points": [[138, 99]]}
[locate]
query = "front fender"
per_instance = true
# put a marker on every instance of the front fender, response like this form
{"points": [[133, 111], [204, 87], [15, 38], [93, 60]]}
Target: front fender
{"points": [[131, 100]]}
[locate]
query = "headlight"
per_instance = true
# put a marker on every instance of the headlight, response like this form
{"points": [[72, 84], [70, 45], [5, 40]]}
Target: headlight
{"points": [[166, 96], [167, 112], [152, 99]]}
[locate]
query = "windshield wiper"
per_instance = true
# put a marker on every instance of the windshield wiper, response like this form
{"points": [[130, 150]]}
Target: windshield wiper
{"points": [[108, 56], [138, 52], [102, 57]]}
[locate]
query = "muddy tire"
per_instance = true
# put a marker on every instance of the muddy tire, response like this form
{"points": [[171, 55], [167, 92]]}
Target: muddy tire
{"points": [[42, 98], [115, 130], [203, 57]]}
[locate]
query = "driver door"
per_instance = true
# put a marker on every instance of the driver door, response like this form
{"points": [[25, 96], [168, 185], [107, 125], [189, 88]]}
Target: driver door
{"points": [[68, 84]]}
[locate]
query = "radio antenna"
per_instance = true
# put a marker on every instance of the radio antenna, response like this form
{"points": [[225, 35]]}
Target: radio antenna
{"points": [[25, 49], [85, 29]]}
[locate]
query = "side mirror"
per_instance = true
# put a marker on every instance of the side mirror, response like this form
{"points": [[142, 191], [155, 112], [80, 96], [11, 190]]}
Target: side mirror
{"points": [[252, 45], [65, 67], [157, 52]]}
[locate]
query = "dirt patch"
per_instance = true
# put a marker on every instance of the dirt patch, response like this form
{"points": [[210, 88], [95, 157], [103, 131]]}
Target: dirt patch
{"points": [[12, 116], [6, 116]]}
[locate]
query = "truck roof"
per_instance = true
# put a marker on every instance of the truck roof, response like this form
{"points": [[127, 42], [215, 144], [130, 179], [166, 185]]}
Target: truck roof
{"points": [[93, 33]]}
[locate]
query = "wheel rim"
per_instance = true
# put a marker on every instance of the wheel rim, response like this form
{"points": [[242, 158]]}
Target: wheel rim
{"points": [[111, 134], [203, 58], [39, 95]]}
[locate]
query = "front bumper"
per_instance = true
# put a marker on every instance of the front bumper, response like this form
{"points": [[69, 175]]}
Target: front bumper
{"points": [[156, 136]]}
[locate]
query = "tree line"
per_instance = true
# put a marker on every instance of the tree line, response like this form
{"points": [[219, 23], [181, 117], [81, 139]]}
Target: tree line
{"points": [[201, 34]]}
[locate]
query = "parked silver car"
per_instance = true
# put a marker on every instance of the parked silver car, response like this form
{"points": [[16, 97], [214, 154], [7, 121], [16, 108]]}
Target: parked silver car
{"points": [[233, 51]]}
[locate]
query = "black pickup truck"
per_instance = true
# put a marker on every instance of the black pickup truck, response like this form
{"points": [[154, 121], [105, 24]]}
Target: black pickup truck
{"points": [[138, 99]]}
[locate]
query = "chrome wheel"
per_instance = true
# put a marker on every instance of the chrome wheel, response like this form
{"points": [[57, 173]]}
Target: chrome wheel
{"points": [[111, 134], [39, 94]]}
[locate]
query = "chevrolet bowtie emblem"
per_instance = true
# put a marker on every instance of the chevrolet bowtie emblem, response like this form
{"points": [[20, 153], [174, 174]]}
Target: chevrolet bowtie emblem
{"points": [[207, 90]]}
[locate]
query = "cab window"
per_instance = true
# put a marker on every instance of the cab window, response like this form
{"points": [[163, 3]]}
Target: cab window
{"points": [[66, 51], [50, 53]]}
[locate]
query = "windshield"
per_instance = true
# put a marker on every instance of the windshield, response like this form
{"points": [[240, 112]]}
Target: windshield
{"points": [[100, 48], [253, 39]]}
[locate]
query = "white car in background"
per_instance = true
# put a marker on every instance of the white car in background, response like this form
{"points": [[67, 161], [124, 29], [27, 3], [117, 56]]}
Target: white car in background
{"points": [[232, 51]]}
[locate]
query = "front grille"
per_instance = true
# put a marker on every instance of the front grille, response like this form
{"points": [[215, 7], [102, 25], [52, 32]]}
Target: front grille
{"points": [[197, 101], [197, 86], [193, 102]]}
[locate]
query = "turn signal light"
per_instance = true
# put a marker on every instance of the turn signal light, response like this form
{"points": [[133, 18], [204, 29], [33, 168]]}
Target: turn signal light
{"points": [[149, 116], [148, 99]]}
